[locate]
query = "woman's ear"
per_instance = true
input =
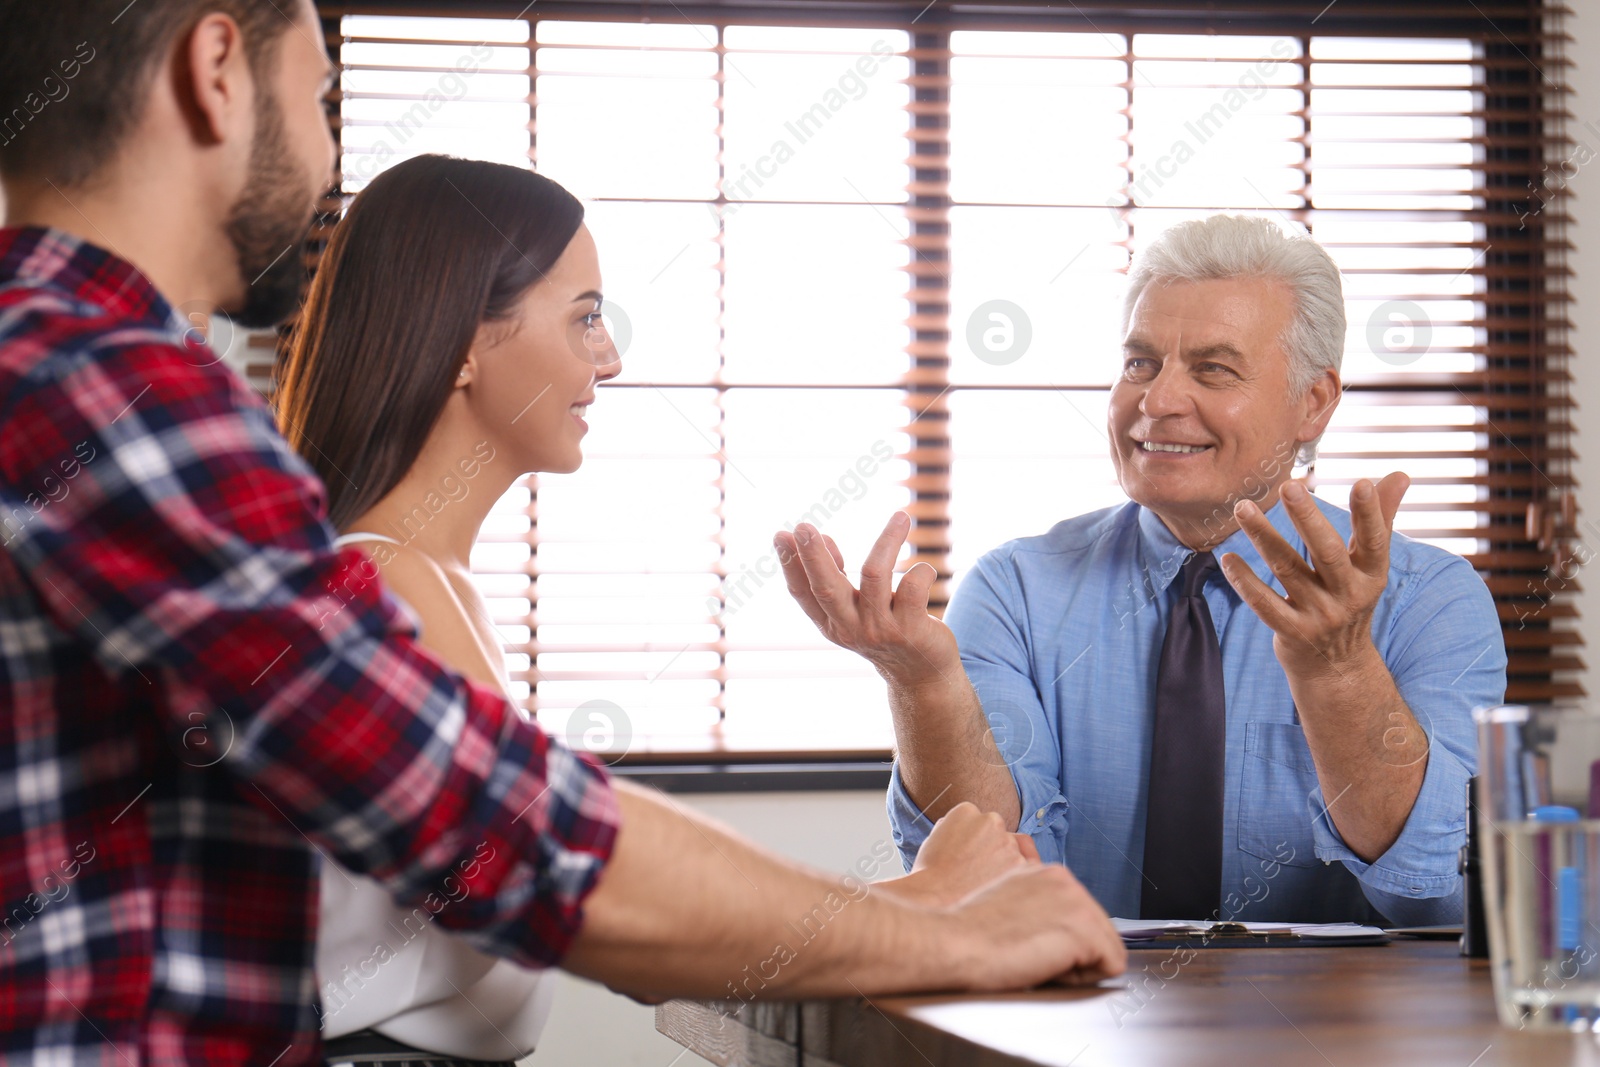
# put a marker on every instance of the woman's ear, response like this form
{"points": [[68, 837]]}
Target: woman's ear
{"points": [[489, 335]]}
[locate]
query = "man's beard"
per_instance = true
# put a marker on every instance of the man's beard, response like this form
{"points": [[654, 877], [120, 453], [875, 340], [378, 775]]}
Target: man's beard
{"points": [[268, 225]]}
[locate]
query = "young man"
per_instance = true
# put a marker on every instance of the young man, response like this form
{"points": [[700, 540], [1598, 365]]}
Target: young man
{"points": [[198, 694]]}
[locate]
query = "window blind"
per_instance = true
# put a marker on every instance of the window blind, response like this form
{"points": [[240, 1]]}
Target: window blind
{"points": [[870, 256]]}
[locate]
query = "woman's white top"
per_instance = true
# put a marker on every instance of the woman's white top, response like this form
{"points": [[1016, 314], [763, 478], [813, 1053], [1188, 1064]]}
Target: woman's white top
{"points": [[394, 970]]}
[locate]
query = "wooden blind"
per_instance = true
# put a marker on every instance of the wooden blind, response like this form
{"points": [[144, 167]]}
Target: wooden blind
{"points": [[916, 305]]}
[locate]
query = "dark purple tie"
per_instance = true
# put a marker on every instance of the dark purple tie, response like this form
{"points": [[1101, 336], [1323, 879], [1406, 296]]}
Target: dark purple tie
{"points": [[1183, 824]]}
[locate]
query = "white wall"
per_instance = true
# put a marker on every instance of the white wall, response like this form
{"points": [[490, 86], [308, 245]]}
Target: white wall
{"points": [[590, 1025]]}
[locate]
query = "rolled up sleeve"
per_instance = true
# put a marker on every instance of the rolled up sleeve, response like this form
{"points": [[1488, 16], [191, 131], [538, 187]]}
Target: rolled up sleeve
{"points": [[986, 615], [1446, 652]]}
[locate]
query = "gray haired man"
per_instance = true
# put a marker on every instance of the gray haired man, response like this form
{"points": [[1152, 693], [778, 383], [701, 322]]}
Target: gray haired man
{"points": [[1224, 698]]}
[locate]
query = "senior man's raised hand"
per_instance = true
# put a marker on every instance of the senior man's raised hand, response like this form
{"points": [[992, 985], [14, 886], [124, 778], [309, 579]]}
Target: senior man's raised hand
{"points": [[1364, 739], [1325, 619], [946, 752], [889, 626]]}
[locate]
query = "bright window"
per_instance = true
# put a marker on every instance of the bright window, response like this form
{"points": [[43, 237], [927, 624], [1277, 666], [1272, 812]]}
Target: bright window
{"points": [[807, 268]]}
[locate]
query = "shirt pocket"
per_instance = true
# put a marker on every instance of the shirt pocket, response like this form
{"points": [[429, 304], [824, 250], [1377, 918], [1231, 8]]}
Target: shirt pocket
{"points": [[1274, 817]]}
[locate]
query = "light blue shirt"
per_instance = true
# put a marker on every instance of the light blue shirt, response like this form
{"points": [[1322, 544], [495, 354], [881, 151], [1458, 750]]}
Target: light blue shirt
{"points": [[1061, 636]]}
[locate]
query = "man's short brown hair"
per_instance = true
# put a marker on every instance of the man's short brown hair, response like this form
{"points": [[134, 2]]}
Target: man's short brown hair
{"points": [[75, 75]]}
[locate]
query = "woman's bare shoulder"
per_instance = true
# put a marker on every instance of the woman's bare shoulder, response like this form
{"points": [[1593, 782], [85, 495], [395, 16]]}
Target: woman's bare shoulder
{"points": [[447, 631]]}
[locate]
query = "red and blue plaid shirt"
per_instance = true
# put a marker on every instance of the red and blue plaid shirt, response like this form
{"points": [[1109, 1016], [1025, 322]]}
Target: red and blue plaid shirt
{"points": [[199, 696]]}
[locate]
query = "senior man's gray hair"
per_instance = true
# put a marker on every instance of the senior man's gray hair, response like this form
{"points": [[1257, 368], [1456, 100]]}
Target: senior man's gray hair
{"points": [[1247, 246]]}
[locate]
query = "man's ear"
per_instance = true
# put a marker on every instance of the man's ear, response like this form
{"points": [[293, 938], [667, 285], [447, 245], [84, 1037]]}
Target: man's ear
{"points": [[213, 81], [1320, 401]]}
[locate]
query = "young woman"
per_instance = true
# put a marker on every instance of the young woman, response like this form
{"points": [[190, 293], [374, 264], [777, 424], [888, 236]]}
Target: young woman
{"points": [[450, 344]]}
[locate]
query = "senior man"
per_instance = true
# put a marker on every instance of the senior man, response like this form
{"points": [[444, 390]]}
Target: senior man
{"points": [[1225, 698]]}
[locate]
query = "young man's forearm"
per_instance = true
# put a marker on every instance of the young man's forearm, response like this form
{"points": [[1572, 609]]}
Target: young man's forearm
{"points": [[945, 749], [686, 908]]}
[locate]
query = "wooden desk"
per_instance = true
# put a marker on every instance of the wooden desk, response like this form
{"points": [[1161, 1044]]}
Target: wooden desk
{"points": [[1413, 1003]]}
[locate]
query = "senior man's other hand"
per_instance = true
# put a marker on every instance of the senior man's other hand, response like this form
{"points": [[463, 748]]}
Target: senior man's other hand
{"points": [[1324, 620]]}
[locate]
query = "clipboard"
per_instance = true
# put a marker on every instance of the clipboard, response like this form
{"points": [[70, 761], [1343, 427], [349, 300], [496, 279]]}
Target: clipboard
{"points": [[1240, 935]]}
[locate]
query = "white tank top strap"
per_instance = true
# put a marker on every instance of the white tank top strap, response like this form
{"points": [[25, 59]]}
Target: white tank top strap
{"points": [[362, 535]]}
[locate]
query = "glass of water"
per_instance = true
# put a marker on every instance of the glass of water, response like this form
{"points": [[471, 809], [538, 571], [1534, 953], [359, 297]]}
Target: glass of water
{"points": [[1538, 785]]}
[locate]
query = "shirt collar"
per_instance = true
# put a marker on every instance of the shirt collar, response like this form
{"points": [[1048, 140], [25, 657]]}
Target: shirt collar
{"points": [[1164, 555], [52, 258]]}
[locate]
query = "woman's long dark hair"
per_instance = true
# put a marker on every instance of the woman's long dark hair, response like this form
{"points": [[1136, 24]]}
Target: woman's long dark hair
{"points": [[431, 249]]}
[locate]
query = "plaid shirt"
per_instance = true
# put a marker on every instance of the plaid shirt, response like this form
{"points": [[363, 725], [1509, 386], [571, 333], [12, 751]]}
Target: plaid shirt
{"points": [[199, 696]]}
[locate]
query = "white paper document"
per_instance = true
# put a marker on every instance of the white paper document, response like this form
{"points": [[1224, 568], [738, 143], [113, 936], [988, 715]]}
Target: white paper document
{"points": [[1143, 928]]}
